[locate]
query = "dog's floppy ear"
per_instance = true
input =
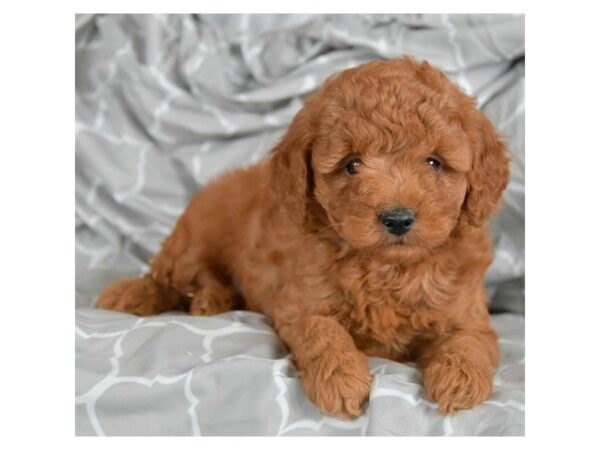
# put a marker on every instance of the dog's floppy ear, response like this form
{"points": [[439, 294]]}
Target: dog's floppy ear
{"points": [[290, 164], [489, 174]]}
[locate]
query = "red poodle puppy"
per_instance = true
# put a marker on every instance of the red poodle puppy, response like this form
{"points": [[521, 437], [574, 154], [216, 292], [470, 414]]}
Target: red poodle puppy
{"points": [[364, 234]]}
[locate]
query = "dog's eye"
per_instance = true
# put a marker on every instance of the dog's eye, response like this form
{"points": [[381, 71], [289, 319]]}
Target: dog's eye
{"points": [[434, 164], [352, 166]]}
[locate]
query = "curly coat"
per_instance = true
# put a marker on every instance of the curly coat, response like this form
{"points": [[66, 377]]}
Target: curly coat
{"points": [[299, 239]]}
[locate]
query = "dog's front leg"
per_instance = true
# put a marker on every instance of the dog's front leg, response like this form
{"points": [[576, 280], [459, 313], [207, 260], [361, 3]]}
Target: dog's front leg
{"points": [[335, 374], [458, 368]]}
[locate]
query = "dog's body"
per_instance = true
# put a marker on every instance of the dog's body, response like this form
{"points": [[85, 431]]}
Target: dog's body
{"points": [[353, 239]]}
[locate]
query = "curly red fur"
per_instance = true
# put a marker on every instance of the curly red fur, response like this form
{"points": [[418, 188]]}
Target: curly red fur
{"points": [[298, 239]]}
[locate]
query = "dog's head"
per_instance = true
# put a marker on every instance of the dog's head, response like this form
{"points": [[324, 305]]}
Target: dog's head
{"points": [[393, 157]]}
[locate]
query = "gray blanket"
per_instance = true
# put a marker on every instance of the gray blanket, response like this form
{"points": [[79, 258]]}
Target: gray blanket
{"points": [[166, 103]]}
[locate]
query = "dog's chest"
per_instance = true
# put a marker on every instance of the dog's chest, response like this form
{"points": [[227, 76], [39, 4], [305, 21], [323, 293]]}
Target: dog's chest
{"points": [[386, 310]]}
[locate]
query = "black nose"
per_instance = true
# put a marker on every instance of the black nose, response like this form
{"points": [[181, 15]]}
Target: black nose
{"points": [[397, 221]]}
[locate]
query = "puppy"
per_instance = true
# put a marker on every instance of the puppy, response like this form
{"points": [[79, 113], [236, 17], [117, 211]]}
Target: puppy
{"points": [[363, 234]]}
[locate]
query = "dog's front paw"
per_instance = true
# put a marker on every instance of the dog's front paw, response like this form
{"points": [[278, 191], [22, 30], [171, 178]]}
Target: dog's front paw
{"points": [[456, 383], [339, 383]]}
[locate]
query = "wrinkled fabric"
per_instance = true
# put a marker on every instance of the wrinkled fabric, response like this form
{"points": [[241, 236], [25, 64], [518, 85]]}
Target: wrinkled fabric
{"points": [[164, 103]]}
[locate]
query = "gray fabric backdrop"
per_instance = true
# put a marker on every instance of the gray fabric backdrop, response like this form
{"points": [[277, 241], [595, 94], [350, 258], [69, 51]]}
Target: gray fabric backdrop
{"points": [[164, 103]]}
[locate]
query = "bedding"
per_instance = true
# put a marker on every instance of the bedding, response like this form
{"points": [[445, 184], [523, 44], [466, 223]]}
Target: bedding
{"points": [[164, 103]]}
